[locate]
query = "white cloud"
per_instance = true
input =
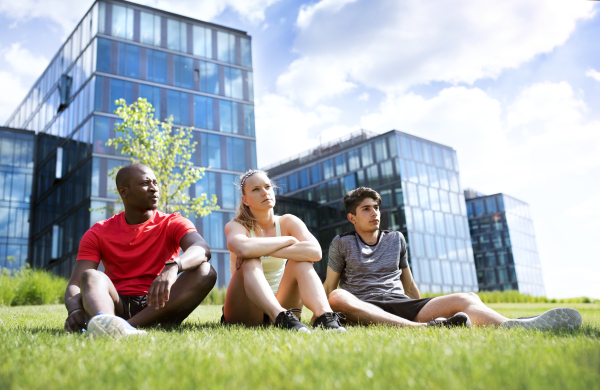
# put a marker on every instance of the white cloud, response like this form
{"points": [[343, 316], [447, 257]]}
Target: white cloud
{"points": [[539, 148], [16, 93], [23, 62], [393, 45], [364, 97], [593, 74], [284, 129]]}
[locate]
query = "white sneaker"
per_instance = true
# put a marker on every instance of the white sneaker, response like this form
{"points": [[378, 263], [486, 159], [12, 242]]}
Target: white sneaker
{"points": [[561, 318], [106, 325]]}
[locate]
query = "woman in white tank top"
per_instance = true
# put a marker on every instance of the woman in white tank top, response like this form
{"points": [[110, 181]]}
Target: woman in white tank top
{"points": [[266, 288]]}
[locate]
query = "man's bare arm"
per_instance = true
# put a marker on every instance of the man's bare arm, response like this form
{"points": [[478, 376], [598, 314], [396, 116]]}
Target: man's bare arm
{"points": [[76, 314], [332, 280], [410, 287]]}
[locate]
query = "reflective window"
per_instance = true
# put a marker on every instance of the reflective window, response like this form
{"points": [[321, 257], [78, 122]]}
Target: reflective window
{"points": [[122, 22], [304, 178], [444, 201], [429, 221], [427, 155], [333, 188], [132, 66], [406, 151], [451, 248], [454, 203], [413, 175], [401, 168], [203, 112], [450, 224], [321, 193], [393, 144], [177, 106], [437, 156], [202, 42], [424, 197], [152, 95], [418, 219], [246, 52], [439, 221], [156, 66], [412, 194], [228, 191], [416, 149], [425, 271], [429, 245], [176, 35], [233, 83], [457, 273], [340, 165], [103, 59], [372, 176], [447, 271], [386, 199], [500, 203], [315, 172], [328, 172], [436, 271], [249, 120], [387, 172], [349, 183], [150, 29], [353, 160], [490, 205], [228, 111], [423, 177], [443, 176], [448, 163], [367, 155], [478, 207], [225, 47], [416, 244], [440, 243], [183, 72], [236, 154], [293, 182], [380, 150], [434, 199], [211, 150], [100, 134]]}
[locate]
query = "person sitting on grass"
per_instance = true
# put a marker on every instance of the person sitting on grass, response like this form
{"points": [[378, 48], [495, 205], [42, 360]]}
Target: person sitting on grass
{"points": [[139, 249], [378, 287], [263, 288]]}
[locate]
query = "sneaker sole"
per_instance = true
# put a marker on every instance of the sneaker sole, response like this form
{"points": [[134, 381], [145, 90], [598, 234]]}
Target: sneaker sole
{"points": [[341, 329], [109, 326], [561, 318]]}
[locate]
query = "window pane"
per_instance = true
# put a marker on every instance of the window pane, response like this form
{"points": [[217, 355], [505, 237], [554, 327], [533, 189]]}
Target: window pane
{"points": [[315, 172], [246, 52], [213, 151], [442, 173], [401, 169], [223, 47], [187, 72], [160, 67], [418, 219], [249, 120], [424, 197], [416, 149], [387, 172], [304, 178], [423, 176], [429, 221], [490, 205], [367, 155], [239, 150], [227, 191], [103, 61], [119, 21], [173, 34], [441, 247], [200, 36], [450, 224], [226, 116], [380, 150], [427, 155], [174, 105], [237, 90], [353, 161], [437, 156], [412, 171], [133, 61], [340, 165], [209, 78], [147, 28], [373, 176], [448, 159], [349, 183], [406, 151]]}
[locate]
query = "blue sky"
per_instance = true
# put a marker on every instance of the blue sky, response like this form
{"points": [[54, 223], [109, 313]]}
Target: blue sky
{"points": [[513, 86]]}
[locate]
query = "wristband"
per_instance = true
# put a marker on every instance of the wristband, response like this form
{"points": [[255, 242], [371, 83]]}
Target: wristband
{"points": [[175, 261]]}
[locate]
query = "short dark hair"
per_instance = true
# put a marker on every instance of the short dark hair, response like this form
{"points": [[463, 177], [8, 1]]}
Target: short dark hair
{"points": [[355, 197]]}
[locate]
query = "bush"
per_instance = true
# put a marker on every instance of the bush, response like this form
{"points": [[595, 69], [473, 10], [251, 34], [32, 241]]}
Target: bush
{"points": [[215, 297], [513, 296], [31, 287]]}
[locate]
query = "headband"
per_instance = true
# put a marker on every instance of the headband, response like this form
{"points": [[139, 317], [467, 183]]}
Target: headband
{"points": [[247, 175]]}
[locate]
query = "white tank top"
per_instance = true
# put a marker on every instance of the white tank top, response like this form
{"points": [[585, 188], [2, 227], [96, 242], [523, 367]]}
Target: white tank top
{"points": [[273, 267]]}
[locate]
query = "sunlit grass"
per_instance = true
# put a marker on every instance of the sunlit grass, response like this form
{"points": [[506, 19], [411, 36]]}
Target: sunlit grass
{"points": [[36, 354]]}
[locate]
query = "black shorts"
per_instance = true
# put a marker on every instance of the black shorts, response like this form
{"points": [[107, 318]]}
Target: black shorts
{"points": [[133, 304], [404, 307]]}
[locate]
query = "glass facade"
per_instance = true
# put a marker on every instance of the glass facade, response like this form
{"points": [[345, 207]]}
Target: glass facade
{"points": [[504, 245], [421, 197], [197, 73], [16, 177]]}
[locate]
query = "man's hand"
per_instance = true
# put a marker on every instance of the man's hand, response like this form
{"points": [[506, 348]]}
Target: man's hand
{"points": [[76, 321], [160, 289]]}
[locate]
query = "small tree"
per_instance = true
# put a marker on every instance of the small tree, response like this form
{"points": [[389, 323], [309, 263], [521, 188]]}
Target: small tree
{"points": [[168, 153]]}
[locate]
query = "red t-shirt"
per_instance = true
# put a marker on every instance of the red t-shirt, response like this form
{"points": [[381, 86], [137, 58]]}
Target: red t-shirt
{"points": [[134, 255]]}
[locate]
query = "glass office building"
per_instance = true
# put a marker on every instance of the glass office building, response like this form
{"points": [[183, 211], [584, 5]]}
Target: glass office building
{"points": [[421, 197], [504, 245], [16, 177], [198, 73]]}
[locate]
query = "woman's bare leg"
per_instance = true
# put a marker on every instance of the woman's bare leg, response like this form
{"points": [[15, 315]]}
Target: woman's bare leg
{"points": [[301, 285], [249, 296]]}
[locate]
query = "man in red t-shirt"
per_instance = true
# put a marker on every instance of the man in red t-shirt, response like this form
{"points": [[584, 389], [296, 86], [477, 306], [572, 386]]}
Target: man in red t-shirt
{"points": [[139, 249]]}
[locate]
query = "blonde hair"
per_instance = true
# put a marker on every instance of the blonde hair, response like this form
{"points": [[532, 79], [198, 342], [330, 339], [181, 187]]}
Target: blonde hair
{"points": [[243, 215]]}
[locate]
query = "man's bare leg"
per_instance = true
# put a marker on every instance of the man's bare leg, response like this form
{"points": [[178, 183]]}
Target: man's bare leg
{"points": [[468, 303], [188, 291], [361, 312], [98, 294]]}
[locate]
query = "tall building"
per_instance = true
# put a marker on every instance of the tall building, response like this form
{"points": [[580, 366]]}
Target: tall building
{"points": [[421, 196], [199, 73], [504, 245], [16, 177]]}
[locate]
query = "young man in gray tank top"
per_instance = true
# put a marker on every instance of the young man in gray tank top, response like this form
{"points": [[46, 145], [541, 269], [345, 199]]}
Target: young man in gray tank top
{"points": [[371, 266]]}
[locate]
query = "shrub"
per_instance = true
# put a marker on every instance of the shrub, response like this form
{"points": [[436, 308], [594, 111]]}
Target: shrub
{"points": [[31, 287], [513, 296]]}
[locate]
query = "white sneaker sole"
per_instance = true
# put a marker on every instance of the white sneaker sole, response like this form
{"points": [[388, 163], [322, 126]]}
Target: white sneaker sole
{"points": [[105, 325], [561, 318]]}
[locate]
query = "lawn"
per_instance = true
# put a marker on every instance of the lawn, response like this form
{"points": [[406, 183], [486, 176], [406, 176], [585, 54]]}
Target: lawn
{"points": [[36, 354]]}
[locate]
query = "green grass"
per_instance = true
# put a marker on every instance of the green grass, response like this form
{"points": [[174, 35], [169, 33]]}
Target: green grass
{"points": [[36, 354]]}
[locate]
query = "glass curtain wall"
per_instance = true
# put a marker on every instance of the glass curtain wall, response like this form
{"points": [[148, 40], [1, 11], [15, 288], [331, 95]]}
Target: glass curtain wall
{"points": [[421, 197], [503, 241], [199, 75]]}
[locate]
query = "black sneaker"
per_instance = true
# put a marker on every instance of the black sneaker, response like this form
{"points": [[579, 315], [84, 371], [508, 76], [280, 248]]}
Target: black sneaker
{"points": [[287, 320], [330, 322], [459, 319]]}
